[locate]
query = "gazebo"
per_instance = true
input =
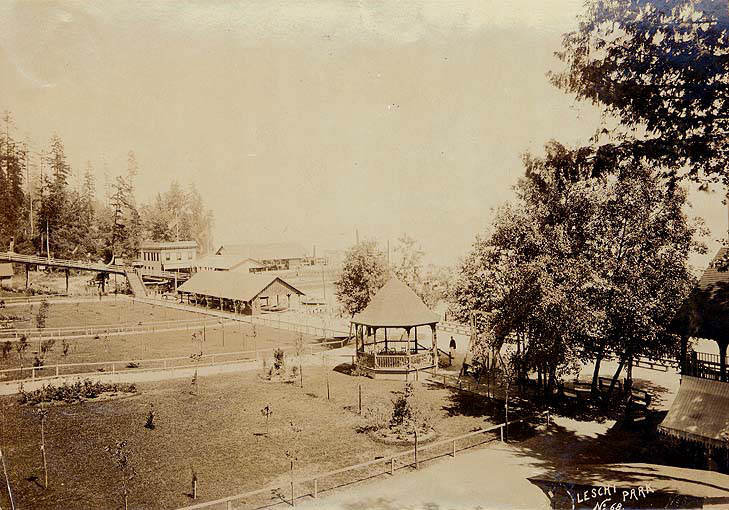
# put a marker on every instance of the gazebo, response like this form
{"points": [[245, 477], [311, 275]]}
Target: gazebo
{"points": [[394, 307]]}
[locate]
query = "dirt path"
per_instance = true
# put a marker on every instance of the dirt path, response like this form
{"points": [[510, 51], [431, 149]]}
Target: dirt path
{"points": [[494, 477]]}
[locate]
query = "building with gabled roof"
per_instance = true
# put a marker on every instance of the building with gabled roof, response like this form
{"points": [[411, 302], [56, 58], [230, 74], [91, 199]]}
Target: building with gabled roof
{"points": [[228, 263], [244, 293], [272, 255]]}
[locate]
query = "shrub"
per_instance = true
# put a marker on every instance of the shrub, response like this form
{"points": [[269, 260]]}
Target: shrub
{"points": [[66, 347], [21, 346], [279, 360], [132, 364], [47, 345], [7, 347], [150, 418], [38, 362], [72, 392], [409, 412], [295, 371], [376, 417]]}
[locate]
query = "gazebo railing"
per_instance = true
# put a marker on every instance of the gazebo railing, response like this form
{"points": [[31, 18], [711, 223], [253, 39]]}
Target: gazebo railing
{"points": [[395, 361]]}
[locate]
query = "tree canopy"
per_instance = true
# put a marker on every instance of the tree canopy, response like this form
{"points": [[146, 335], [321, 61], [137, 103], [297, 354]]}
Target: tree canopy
{"points": [[47, 205], [363, 273], [579, 267], [661, 67]]}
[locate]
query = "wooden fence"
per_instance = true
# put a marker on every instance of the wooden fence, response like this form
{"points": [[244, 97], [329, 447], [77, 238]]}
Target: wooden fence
{"points": [[49, 372], [313, 486]]}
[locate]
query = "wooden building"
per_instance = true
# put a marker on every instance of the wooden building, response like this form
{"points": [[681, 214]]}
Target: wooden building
{"points": [[6, 273], [243, 293], [273, 255], [167, 255], [699, 415], [228, 263]]}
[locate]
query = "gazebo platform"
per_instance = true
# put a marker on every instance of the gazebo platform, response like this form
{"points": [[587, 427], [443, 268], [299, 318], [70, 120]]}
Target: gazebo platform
{"points": [[397, 307]]}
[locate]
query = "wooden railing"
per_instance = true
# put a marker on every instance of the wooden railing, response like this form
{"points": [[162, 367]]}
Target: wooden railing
{"points": [[313, 486], [395, 361], [47, 372]]}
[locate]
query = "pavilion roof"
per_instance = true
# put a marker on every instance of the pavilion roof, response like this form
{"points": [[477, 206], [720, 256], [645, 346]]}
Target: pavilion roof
{"points": [[700, 412], [396, 305], [712, 276], [232, 285]]}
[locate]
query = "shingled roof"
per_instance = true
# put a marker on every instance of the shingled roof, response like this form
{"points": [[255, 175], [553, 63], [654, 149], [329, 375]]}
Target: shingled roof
{"points": [[699, 412], [231, 285], [395, 305], [712, 275]]}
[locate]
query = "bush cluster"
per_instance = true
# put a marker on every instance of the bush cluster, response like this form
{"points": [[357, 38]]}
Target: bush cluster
{"points": [[71, 393], [406, 413]]}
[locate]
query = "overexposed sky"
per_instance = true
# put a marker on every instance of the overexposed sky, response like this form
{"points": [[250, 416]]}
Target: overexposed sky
{"points": [[305, 120]]}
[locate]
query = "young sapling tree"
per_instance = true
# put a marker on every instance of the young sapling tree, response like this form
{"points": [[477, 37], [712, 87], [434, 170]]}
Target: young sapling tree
{"points": [[120, 456], [42, 414]]}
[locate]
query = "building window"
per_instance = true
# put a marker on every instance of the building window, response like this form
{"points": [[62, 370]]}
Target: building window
{"points": [[167, 256], [179, 255]]}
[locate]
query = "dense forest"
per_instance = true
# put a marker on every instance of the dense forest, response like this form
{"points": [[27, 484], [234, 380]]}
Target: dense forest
{"points": [[48, 206]]}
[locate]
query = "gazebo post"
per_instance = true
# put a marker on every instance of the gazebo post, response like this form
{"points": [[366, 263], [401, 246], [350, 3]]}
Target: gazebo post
{"points": [[416, 340], [385, 338]]}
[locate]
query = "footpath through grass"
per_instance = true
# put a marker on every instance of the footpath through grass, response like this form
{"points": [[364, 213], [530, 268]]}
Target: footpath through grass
{"points": [[220, 434]]}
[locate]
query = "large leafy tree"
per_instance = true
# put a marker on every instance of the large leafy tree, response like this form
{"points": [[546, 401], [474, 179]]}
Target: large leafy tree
{"points": [[580, 266], [363, 273], [661, 67]]}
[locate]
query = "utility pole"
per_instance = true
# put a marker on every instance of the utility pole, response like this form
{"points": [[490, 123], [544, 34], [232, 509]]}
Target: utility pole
{"points": [[48, 244]]}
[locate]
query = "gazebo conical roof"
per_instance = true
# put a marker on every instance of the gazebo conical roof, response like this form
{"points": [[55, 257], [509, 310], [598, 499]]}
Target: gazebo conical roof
{"points": [[396, 306]]}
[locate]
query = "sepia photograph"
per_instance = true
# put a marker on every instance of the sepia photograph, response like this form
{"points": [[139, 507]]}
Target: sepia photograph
{"points": [[364, 255]]}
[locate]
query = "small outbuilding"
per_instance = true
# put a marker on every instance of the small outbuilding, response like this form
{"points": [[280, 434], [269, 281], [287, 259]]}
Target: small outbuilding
{"points": [[244, 293], [6, 273], [396, 310]]}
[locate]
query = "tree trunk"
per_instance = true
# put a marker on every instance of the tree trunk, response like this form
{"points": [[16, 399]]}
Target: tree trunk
{"points": [[615, 377], [629, 376], [596, 374], [551, 381]]}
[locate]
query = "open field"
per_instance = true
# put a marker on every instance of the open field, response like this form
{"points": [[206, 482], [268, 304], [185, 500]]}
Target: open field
{"points": [[219, 433], [123, 311], [228, 338]]}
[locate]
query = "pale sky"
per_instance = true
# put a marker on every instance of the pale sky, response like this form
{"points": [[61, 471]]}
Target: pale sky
{"points": [[305, 120]]}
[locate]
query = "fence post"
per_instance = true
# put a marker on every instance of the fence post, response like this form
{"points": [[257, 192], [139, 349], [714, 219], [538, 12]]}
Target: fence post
{"points": [[229, 505], [113, 368], [32, 376], [547, 417], [392, 465], [56, 370], [316, 488], [501, 429], [454, 449]]}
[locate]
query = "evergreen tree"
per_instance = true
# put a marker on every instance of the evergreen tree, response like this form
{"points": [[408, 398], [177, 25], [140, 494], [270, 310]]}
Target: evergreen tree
{"points": [[13, 161]]}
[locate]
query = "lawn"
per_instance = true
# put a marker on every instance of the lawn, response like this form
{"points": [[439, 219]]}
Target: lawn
{"points": [[219, 433], [228, 338]]}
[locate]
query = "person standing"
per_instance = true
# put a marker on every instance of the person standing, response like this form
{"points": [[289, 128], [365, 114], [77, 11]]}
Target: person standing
{"points": [[451, 350]]}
